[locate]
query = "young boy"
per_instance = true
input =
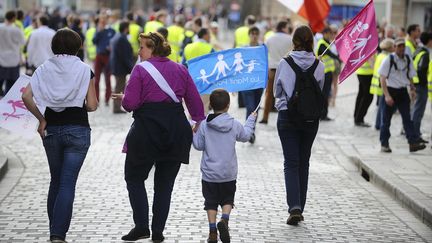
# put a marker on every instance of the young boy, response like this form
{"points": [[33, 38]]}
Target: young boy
{"points": [[216, 137]]}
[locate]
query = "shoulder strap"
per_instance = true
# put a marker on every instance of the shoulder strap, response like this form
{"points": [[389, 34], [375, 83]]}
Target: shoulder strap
{"points": [[391, 64], [408, 65], [293, 65], [160, 80]]}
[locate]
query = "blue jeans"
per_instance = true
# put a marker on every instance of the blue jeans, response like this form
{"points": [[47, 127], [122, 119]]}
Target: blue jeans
{"points": [[296, 145], [402, 103], [251, 99], [164, 178], [419, 107], [66, 148]]}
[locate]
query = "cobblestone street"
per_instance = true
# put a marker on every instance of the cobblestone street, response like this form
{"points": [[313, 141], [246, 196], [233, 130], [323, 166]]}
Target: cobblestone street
{"points": [[341, 207]]}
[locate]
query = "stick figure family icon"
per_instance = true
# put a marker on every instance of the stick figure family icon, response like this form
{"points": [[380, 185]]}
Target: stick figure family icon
{"points": [[221, 66], [359, 43]]}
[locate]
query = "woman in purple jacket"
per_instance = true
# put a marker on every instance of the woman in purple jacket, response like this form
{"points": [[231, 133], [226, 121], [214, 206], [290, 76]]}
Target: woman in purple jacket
{"points": [[161, 135]]}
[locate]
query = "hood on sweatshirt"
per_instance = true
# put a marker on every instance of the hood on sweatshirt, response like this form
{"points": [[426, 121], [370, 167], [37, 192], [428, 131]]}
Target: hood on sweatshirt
{"points": [[303, 59], [221, 122]]}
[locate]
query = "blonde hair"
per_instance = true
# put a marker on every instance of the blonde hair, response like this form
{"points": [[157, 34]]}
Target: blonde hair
{"points": [[157, 43]]}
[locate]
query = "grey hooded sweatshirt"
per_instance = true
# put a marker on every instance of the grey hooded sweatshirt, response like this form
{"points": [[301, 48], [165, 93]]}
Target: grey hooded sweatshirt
{"points": [[216, 137]]}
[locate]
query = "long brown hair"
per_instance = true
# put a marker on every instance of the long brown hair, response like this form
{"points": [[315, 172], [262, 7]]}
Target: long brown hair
{"points": [[303, 39]]}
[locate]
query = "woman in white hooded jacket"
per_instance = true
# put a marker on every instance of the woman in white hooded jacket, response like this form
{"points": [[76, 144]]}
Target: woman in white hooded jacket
{"points": [[296, 138], [64, 85]]}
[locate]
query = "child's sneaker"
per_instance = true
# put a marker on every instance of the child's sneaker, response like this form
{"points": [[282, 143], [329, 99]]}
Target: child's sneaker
{"points": [[213, 237], [224, 231]]}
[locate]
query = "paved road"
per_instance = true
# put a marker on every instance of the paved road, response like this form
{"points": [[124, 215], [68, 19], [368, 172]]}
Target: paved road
{"points": [[342, 206]]}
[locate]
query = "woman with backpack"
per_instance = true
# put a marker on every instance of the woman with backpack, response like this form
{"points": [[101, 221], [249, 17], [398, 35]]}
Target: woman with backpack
{"points": [[299, 80]]}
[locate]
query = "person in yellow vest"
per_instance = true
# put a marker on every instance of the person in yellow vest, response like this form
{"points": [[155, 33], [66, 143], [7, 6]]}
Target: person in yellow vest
{"points": [[134, 31], [27, 32], [364, 98], [241, 35], [421, 64], [413, 32], [152, 26], [214, 33], [198, 48], [19, 19], [175, 37], [387, 47], [114, 19], [89, 46], [328, 58]]}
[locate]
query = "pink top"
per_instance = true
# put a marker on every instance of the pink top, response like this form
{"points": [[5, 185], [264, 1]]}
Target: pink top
{"points": [[142, 88]]}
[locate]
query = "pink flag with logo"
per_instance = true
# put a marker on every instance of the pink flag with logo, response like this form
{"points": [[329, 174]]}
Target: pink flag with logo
{"points": [[358, 41]]}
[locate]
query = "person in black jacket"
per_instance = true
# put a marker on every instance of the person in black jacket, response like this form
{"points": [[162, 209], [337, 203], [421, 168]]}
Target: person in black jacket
{"points": [[121, 61], [421, 64]]}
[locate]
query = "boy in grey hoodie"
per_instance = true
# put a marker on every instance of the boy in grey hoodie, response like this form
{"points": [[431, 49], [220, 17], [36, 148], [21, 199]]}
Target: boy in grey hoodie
{"points": [[216, 137]]}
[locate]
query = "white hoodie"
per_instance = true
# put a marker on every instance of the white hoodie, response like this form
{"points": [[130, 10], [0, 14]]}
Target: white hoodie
{"points": [[61, 81], [285, 77]]}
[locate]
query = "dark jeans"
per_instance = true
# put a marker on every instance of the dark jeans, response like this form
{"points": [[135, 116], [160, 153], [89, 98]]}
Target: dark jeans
{"points": [[251, 99], [66, 148], [164, 178], [380, 104], [402, 103], [419, 107], [328, 79], [296, 145], [364, 98]]}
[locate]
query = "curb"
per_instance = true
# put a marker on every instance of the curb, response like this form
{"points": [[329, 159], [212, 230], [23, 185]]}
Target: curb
{"points": [[3, 165], [401, 194]]}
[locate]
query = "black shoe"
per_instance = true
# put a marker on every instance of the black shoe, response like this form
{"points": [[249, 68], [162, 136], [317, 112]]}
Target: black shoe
{"points": [[421, 140], [224, 231], [295, 217], [137, 234], [385, 149], [263, 122], [416, 147], [57, 239], [326, 119], [362, 124], [157, 237], [252, 139]]}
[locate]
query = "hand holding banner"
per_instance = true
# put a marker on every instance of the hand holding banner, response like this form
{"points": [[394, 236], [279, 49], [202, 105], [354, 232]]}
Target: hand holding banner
{"points": [[14, 116]]}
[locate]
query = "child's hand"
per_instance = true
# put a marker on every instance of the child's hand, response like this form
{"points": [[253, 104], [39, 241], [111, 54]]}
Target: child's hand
{"points": [[118, 96]]}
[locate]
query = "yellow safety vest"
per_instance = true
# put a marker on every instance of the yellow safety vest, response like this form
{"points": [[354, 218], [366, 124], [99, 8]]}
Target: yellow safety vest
{"points": [[375, 87], [329, 65], [197, 49], [175, 39], [152, 26], [411, 46], [134, 31], [268, 34], [90, 47], [19, 24], [417, 59], [430, 80], [27, 31], [365, 69], [242, 36]]}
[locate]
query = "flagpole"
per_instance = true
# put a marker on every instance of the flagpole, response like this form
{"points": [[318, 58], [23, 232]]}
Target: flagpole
{"points": [[328, 47]]}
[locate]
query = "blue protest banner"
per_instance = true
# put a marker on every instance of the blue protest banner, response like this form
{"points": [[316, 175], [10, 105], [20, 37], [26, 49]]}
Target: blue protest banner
{"points": [[234, 70]]}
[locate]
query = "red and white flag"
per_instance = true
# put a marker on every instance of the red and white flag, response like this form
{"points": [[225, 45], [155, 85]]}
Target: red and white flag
{"points": [[315, 11], [358, 41]]}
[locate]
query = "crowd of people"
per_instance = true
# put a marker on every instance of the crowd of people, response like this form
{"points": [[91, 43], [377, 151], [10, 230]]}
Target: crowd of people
{"points": [[148, 60]]}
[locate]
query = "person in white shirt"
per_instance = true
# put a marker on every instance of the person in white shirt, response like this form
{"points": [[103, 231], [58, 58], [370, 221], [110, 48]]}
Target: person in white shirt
{"points": [[278, 45], [11, 40], [39, 44]]}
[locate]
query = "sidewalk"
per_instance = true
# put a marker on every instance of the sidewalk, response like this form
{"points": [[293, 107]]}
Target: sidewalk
{"points": [[406, 176]]}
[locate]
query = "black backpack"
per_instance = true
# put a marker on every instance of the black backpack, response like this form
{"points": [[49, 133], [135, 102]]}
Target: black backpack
{"points": [[307, 101], [393, 64]]}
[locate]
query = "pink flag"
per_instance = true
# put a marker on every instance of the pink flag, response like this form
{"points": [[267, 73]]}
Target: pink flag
{"points": [[358, 41]]}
